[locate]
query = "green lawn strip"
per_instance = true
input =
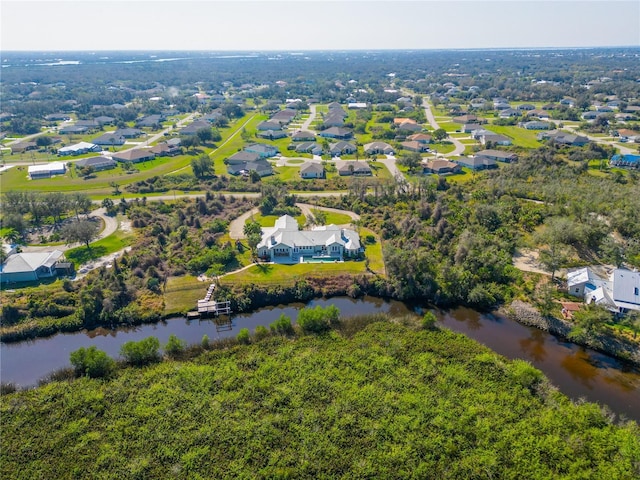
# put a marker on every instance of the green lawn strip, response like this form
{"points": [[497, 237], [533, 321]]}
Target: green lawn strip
{"points": [[333, 217], [380, 170], [270, 220], [284, 174], [465, 176], [181, 294], [106, 246], [236, 142], [520, 136], [443, 147], [373, 251], [273, 274]]}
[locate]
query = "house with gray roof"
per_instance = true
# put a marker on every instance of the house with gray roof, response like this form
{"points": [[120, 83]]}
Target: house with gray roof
{"points": [[136, 155], [309, 147], [286, 243], [312, 170], [353, 167], [374, 148], [109, 139], [303, 136], [564, 138], [498, 155], [477, 163], [129, 132], [535, 125], [265, 151], [242, 157], [271, 134], [336, 132], [73, 129], [260, 166], [97, 163], [29, 267], [342, 148]]}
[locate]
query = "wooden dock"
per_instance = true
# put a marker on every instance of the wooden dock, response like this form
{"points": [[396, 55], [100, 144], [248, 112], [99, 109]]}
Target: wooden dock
{"points": [[210, 308]]}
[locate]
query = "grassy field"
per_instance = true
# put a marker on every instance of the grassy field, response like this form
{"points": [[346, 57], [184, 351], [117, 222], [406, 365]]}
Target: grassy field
{"points": [[182, 293], [519, 136]]}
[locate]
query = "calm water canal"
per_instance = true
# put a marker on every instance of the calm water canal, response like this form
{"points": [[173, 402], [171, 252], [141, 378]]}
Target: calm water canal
{"points": [[578, 372]]}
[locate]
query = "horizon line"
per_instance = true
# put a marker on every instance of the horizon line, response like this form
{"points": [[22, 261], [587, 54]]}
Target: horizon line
{"points": [[400, 49]]}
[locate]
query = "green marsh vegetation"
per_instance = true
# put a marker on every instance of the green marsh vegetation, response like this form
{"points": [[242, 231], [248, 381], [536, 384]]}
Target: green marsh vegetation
{"points": [[372, 397]]}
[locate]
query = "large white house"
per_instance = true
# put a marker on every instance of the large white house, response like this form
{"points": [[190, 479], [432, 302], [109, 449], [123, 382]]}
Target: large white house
{"points": [[618, 293], [286, 243]]}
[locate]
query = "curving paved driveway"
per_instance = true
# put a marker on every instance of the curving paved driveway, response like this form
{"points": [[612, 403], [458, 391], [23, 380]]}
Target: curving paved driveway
{"points": [[306, 125]]}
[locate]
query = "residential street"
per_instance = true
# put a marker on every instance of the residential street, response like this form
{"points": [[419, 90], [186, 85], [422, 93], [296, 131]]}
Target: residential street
{"points": [[459, 150]]}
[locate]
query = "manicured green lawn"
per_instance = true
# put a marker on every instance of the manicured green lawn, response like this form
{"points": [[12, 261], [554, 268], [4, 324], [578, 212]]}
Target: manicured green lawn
{"points": [[289, 274], [373, 251], [270, 220], [284, 174], [380, 170], [106, 246], [333, 217]]}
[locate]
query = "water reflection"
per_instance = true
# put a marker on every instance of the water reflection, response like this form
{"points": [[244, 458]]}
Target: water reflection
{"points": [[533, 346]]}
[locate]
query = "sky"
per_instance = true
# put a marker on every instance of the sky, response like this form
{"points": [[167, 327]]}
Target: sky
{"points": [[52, 25]]}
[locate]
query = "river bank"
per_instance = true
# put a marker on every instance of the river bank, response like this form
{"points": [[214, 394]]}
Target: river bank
{"points": [[528, 315], [249, 298]]}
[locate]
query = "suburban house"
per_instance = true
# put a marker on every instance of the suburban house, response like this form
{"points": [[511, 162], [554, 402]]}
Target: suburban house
{"points": [[309, 147], [46, 171], [79, 149], [303, 136], [109, 139], [136, 155], [624, 134], [284, 116], [22, 147], [195, 127], [150, 121], [129, 132], [260, 166], [312, 170], [90, 124], [462, 119], [97, 163], [415, 146], [265, 151], [470, 127], [333, 119], [592, 115], [342, 148], [242, 157], [535, 125], [336, 132], [494, 138], [420, 137], [542, 114], [564, 138], [526, 106], [375, 148], [441, 166], [627, 160], [73, 129], [286, 243], [353, 167], [508, 113], [271, 134], [477, 163], [619, 293], [410, 127], [53, 117], [104, 120], [269, 125], [165, 149], [498, 155], [29, 267]]}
